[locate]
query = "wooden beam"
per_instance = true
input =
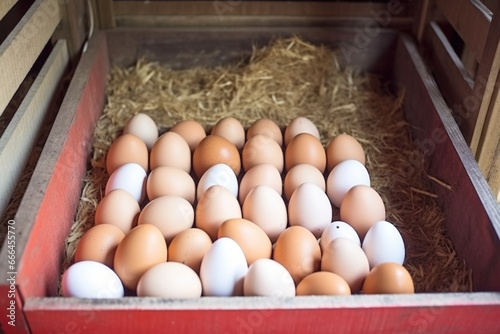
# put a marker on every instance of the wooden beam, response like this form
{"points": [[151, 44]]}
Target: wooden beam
{"points": [[22, 132], [73, 27], [5, 6], [471, 20], [105, 17], [22, 47]]}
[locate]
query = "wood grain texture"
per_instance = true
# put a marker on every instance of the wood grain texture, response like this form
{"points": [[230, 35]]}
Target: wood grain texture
{"points": [[452, 77], [23, 45], [22, 132], [472, 213], [471, 20], [438, 313], [105, 16], [73, 27], [5, 6]]}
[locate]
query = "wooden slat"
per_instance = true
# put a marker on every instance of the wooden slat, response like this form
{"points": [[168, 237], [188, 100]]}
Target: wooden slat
{"points": [[20, 136], [420, 18], [23, 46], [453, 80], [471, 20], [5, 6], [73, 27], [105, 15]]}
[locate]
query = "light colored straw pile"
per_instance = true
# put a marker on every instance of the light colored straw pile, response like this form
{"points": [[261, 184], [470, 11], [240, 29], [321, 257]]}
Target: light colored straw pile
{"points": [[282, 81]]}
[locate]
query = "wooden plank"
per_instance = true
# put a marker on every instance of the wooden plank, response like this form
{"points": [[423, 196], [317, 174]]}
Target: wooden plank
{"points": [[452, 77], [471, 20], [73, 27], [105, 13], [421, 17], [420, 313], [23, 45], [472, 213], [22, 132], [5, 6], [281, 8]]}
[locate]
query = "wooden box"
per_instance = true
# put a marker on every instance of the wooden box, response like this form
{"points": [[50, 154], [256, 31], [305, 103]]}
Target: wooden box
{"points": [[47, 210]]}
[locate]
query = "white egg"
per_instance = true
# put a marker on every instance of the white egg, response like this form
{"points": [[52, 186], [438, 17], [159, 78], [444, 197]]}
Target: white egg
{"points": [[130, 177], [270, 278], [91, 279], [223, 269], [383, 243], [338, 229], [344, 176], [221, 175], [310, 207]]}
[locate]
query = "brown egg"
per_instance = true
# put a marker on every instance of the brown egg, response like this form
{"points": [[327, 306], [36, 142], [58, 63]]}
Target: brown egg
{"points": [[144, 127], [216, 205], [343, 147], [305, 149], [118, 208], [266, 127], [346, 258], [261, 149], [213, 150], [263, 174], [362, 207], [171, 214], [192, 132], [167, 180], [125, 149], [231, 129], [300, 125], [323, 283], [171, 150], [300, 174], [298, 251], [189, 247], [99, 244], [388, 278], [142, 248], [253, 241]]}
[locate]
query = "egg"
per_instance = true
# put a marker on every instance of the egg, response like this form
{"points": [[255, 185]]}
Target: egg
{"points": [[344, 176], [343, 147], [170, 214], [323, 283], [125, 149], [388, 278], [346, 259], [144, 127], [189, 247], [141, 248], [253, 241], [223, 269], [266, 127], [362, 207], [118, 208], [383, 243], [305, 149], [192, 132], [261, 149], [173, 181], [263, 174], [130, 177], [309, 207], [220, 174], [91, 279], [300, 125], [231, 129], [216, 205], [213, 150], [171, 150], [300, 174], [169, 280], [266, 277], [265, 207], [338, 229], [99, 244], [298, 251]]}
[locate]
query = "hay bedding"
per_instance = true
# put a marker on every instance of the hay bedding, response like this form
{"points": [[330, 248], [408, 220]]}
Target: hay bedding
{"points": [[282, 81]]}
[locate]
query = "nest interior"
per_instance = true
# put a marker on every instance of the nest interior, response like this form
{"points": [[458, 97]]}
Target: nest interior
{"points": [[290, 78]]}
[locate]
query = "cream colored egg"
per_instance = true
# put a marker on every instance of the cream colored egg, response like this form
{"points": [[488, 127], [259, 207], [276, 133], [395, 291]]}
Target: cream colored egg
{"points": [[300, 125], [144, 127], [266, 277]]}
